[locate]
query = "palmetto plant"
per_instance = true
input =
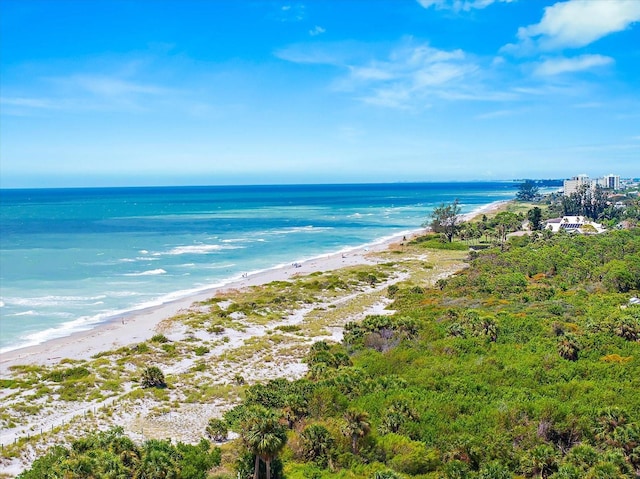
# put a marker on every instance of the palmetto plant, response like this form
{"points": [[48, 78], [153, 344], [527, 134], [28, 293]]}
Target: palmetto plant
{"points": [[318, 445], [357, 426], [152, 377], [568, 347], [217, 430]]}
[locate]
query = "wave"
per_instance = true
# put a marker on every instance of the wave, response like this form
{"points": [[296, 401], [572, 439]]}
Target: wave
{"points": [[53, 300], [295, 229], [37, 314], [196, 249], [152, 272], [136, 259]]}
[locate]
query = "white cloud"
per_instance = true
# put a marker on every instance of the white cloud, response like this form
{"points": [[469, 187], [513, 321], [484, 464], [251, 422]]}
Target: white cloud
{"points": [[459, 5], [495, 114], [576, 23], [411, 75], [557, 66], [108, 86], [28, 102], [317, 30], [290, 13]]}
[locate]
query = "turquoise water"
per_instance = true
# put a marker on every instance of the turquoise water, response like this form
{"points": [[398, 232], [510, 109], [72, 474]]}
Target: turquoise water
{"points": [[72, 258]]}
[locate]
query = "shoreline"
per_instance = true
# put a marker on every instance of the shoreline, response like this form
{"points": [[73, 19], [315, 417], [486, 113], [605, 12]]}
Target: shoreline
{"points": [[140, 325]]}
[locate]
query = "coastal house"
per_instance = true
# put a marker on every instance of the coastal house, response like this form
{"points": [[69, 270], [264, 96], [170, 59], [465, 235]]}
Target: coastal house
{"points": [[574, 224]]}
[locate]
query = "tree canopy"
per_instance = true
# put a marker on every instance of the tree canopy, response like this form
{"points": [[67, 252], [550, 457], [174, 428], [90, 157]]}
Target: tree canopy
{"points": [[527, 191], [445, 219]]}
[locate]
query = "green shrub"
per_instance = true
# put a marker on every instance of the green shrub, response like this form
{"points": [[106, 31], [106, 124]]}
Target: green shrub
{"points": [[201, 350], [152, 377]]}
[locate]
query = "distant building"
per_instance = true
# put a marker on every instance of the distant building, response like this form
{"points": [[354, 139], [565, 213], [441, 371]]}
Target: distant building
{"points": [[574, 184], [609, 182], [574, 224]]}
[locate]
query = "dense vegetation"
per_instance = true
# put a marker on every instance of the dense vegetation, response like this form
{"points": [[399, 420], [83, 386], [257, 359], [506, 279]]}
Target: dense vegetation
{"points": [[525, 364], [111, 454]]}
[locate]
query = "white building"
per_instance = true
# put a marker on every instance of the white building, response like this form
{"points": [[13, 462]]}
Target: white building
{"points": [[610, 182], [574, 224], [572, 185]]}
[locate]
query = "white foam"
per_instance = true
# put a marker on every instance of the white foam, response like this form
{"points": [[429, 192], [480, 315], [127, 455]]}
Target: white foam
{"points": [[196, 249], [53, 300], [151, 272]]}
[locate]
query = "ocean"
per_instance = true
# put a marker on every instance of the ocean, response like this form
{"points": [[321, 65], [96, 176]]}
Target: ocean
{"points": [[73, 258]]}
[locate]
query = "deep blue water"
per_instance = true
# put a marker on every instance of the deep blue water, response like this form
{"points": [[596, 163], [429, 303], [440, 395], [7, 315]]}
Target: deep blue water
{"points": [[71, 258]]}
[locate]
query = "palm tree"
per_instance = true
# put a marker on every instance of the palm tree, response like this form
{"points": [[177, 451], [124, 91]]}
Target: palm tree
{"points": [[357, 426], [318, 445], [265, 436]]}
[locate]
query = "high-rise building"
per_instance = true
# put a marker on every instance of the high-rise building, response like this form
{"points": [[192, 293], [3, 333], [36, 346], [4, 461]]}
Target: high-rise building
{"points": [[572, 185], [611, 182]]}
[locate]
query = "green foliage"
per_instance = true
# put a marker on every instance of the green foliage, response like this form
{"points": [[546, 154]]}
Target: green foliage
{"points": [[217, 430], [264, 435], [434, 241], [111, 454], [152, 377], [407, 456], [318, 445], [70, 374], [445, 219], [527, 191], [201, 350], [525, 364], [585, 202], [534, 215]]}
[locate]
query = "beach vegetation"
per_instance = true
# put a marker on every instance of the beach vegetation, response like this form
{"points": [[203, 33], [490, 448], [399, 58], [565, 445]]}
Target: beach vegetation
{"points": [[152, 377], [510, 367], [435, 241], [264, 436], [445, 219], [159, 338], [217, 430], [69, 374], [201, 350], [111, 454]]}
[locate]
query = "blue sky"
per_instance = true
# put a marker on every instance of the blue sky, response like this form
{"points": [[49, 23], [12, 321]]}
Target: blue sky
{"points": [[148, 92]]}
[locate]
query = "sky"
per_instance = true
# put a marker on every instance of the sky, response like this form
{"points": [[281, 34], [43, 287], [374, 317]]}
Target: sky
{"points": [[123, 93]]}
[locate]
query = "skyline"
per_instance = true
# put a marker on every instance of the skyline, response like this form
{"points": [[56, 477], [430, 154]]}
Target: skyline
{"points": [[129, 93]]}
